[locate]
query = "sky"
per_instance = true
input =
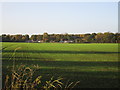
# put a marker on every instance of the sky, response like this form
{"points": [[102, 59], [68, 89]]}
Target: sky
{"points": [[59, 17]]}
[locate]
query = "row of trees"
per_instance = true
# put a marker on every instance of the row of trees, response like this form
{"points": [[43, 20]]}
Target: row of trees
{"points": [[106, 37], [14, 38]]}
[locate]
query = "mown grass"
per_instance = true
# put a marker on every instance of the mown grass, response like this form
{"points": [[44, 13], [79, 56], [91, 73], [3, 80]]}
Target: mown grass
{"points": [[94, 65]]}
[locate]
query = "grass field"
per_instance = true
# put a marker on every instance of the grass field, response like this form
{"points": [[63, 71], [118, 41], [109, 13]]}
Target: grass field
{"points": [[94, 65]]}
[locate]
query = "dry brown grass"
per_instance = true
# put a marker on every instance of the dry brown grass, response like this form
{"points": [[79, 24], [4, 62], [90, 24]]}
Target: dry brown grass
{"points": [[22, 79]]}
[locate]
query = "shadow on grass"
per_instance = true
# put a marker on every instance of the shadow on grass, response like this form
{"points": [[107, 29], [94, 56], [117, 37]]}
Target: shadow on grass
{"points": [[60, 52], [88, 79], [96, 79], [61, 63]]}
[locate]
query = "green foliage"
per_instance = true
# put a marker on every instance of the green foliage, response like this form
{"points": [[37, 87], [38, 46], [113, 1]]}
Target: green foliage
{"points": [[106, 37], [34, 37], [45, 37]]}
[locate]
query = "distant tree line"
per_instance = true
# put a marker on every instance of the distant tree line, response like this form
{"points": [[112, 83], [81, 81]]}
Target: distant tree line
{"points": [[106, 37]]}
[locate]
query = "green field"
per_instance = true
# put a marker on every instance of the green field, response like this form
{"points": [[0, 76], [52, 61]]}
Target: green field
{"points": [[94, 65]]}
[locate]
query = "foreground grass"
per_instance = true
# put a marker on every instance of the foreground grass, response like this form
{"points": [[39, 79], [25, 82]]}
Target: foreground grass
{"points": [[22, 79], [94, 65]]}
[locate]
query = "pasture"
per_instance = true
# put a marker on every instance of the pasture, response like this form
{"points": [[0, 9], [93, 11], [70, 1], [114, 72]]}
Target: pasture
{"points": [[94, 65]]}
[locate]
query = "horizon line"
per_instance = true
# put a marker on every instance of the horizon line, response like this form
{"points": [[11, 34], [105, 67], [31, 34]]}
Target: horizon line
{"points": [[57, 33]]}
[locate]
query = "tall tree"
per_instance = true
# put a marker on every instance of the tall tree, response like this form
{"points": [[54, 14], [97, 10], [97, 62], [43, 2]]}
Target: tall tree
{"points": [[57, 38], [26, 37], [34, 37], [108, 37], [45, 37], [39, 37], [18, 38], [99, 38]]}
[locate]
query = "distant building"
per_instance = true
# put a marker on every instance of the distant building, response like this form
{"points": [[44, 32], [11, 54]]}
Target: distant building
{"points": [[32, 41], [61, 41], [65, 41], [68, 41], [29, 41], [71, 41], [40, 41]]}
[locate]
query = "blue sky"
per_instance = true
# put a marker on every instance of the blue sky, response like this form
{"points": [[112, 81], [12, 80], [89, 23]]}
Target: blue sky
{"points": [[59, 17]]}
